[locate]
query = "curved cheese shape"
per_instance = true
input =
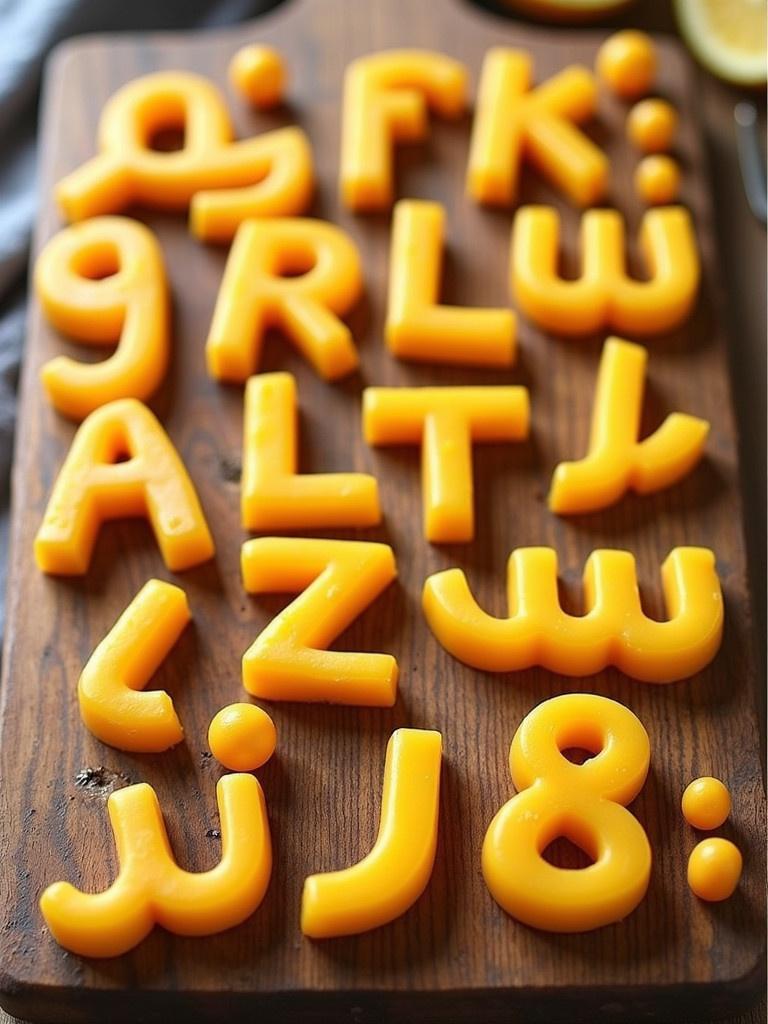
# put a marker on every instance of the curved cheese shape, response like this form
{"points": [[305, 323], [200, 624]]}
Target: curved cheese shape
{"points": [[273, 494], [281, 163], [604, 296], [112, 704], [389, 880], [339, 579], [270, 175], [151, 888], [295, 274], [446, 422], [417, 327], [386, 98], [582, 802], [103, 282], [93, 486], [612, 631], [513, 123], [617, 461]]}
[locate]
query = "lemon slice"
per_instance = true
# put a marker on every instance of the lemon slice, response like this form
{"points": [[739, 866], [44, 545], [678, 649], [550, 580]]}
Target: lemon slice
{"points": [[567, 10], [727, 36]]}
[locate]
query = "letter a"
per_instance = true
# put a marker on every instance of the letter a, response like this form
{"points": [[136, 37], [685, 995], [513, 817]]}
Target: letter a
{"points": [[93, 486]]}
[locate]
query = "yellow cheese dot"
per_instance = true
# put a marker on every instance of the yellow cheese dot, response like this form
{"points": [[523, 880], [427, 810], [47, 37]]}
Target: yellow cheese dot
{"points": [[657, 180], [626, 62], [706, 803], [258, 74], [651, 125], [714, 869], [242, 737]]}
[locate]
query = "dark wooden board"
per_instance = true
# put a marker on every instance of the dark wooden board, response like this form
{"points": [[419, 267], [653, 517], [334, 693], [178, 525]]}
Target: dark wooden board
{"points": [[455, 955]]}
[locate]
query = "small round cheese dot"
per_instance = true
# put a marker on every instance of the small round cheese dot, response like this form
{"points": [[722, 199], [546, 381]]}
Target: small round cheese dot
{"points": [[657, 180], [714, 869], [626, 62], [242, 737], [258, 74], [706, 803], [651, 125]]}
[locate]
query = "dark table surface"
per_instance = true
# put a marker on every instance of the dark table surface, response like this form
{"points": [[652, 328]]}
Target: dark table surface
{"points": [[742, 241]]}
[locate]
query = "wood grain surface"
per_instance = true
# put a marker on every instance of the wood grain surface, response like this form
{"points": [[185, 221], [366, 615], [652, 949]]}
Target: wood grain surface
{"points": [[455, 956]]}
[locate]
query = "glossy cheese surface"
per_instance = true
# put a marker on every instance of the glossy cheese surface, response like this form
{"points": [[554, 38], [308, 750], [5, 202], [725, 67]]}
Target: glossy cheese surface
{"points": [[446, 422], [113, 704], [259, 74], [294, 274], [274, 496], [613, 630], [104, 283], [514, 122], [389, 880], [617, 461], [338, 579], [706, 803], [93, 485], [386, 99], [418, 327], [604, 295], [225, 181], [151, 888], [582, 802]]}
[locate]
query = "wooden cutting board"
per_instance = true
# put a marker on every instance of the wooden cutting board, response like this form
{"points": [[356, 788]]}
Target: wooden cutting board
{"points": [[455, 956]]}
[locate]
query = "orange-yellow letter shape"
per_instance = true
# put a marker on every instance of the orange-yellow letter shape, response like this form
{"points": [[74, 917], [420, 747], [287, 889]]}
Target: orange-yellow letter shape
{"points": [[257, 293], [386, 97], [604, 295], [612, 631], [225, 181], [289, 660], [103, 282], [617, 460], [446, 422], [389, 880], [93, 486], [273, 495], [113, 704], [540, 125], [151, 888]]}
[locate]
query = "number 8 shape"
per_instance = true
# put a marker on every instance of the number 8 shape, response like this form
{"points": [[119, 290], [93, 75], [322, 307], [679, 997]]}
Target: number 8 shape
{"points": [[584, 803]]}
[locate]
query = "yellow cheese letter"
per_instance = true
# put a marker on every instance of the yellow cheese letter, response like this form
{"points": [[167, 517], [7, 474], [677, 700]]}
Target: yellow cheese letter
{"points": [[110, 691], [103, 282], [93, 485], [617, 461], [295, 274], [339, 579], [612, 631], [604, 296], [386, 96], [512, 123], [445, 422], [274, 496], [151, 888], [391, 878], [270, 175], [418, 327]]}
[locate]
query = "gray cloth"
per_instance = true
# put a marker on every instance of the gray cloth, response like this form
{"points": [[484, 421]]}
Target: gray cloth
{"points": [[28, 31]]}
